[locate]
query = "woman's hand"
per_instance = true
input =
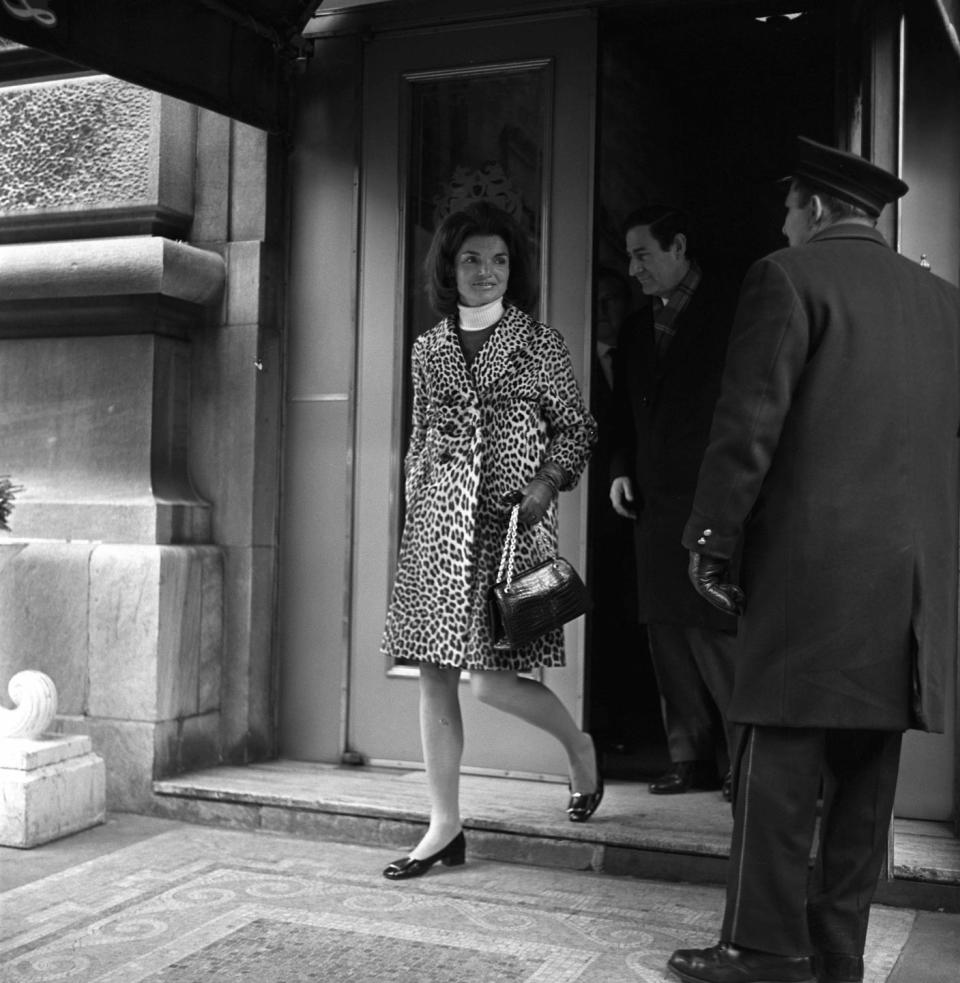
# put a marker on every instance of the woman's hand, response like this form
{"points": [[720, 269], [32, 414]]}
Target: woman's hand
{"points": [[534, 498]]}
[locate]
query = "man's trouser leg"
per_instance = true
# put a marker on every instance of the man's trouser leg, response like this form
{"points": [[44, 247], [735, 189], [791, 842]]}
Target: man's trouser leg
{"points": [[859, 784], [715, 653], [777, 781], [689, 714]]}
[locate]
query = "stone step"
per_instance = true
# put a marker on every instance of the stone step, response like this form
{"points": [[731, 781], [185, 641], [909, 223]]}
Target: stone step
{"points": [[678, 838]]}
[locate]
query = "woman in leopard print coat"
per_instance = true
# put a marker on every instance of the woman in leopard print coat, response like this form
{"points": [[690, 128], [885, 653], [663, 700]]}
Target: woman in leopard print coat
{"points": [[498, 418]]}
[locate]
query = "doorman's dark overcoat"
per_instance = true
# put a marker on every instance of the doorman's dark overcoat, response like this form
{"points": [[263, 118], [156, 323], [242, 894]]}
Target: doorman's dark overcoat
{"points": [[833, 456]]}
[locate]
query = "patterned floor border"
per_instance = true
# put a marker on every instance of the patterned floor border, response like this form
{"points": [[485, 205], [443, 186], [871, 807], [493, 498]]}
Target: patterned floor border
{"points": [[199, 905]]}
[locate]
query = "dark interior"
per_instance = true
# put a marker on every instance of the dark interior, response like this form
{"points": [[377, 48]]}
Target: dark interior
{"points": [[697, 109]]}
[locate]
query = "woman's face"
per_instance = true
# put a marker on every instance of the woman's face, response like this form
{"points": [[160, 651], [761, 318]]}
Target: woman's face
{"points": [[482, 268]]}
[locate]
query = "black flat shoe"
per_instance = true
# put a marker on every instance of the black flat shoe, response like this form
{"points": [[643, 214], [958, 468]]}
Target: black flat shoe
{"points": [[583, 805], [452, 855]]}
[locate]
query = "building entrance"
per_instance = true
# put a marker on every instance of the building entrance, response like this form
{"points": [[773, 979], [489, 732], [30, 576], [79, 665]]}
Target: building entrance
{"points": [[683, 120]]}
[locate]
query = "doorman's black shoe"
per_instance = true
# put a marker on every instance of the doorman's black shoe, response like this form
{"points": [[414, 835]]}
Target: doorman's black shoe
{"points": [[452, 855], [684, 776], [726, 963]]}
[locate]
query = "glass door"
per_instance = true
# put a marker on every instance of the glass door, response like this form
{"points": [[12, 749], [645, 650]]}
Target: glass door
{"points": [[489, 112]]}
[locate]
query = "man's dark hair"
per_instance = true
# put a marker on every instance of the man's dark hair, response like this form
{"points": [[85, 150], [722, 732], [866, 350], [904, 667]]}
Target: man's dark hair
{"points": [[481, 218], [665, 222], [837, 207]]}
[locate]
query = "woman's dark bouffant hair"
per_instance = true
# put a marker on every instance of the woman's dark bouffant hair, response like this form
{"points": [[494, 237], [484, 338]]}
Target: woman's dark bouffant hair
{"points": [[481, 218]]}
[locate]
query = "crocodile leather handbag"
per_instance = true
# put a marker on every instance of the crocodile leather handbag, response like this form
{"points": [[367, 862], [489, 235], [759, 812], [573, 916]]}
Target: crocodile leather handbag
{"points": [[528, 604]]}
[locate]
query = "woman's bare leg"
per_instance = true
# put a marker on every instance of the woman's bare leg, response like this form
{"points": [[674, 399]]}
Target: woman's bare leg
{"points": [[441, 734], [537, 704]]}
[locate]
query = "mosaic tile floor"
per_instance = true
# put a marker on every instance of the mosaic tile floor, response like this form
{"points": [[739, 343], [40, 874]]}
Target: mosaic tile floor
{"points": [[197, 904]]}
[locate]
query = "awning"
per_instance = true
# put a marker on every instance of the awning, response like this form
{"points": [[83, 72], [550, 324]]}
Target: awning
{"points": [[233, 56]]}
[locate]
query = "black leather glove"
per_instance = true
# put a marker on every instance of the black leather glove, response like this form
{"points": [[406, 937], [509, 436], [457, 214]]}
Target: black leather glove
{"points": [[708, 575], [534, 498]]}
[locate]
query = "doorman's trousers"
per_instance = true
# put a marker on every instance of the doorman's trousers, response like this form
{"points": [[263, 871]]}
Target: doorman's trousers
{"points": [[772, 903]]}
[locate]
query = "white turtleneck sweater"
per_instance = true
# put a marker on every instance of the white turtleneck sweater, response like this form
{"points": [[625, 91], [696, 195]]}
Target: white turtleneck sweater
{"points": [[475, 325]]}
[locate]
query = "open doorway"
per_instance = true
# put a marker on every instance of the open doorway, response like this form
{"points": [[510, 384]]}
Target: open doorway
{"points": [[696, 109]]}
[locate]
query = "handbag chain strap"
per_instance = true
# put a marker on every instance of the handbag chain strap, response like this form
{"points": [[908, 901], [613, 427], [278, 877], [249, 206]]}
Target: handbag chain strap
{"points": [[510, 546]]}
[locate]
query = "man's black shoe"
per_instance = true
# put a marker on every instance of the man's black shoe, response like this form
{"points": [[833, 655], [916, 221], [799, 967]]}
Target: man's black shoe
{"points": [[727, 789], [725, 963], [686, 775]]}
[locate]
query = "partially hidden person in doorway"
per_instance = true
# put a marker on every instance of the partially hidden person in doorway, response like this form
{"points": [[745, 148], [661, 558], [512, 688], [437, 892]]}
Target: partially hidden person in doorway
{"points": [[622, 700], [833, 466], [497, 419], [666, 381]]}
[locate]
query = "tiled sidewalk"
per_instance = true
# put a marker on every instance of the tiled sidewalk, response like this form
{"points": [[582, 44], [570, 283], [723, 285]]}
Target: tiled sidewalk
{"points": [[144, 899]]}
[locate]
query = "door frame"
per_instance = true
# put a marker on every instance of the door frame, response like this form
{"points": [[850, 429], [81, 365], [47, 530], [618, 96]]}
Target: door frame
{"points": [[495, 744]]}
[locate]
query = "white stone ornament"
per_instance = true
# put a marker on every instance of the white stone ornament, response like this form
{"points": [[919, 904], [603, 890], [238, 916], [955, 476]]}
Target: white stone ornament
{"points": [[35, 705]]}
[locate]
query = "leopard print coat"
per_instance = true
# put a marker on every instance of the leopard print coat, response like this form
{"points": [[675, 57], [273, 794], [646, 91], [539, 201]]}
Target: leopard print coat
{"points": [[479, 435]]}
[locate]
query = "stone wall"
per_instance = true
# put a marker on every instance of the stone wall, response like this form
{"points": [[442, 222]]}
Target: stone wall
{"points": [[139, 395]]}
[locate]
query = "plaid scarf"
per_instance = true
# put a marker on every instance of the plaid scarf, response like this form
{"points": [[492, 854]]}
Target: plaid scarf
{"points": [[665, 315]]}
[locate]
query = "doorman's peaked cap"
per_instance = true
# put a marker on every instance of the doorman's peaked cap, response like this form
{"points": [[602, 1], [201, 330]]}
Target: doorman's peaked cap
{"points": [[846, 176]]}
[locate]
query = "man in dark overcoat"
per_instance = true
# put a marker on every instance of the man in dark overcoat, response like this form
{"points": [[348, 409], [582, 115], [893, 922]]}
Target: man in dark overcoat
{"points": [[833, 463], [666, 382]]}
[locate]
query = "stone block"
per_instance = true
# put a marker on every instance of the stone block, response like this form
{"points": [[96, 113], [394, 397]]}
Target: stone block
{"points": [[223, 427], [151, 641], [91, 155], [536, 852], [74, 143], [134, 753], [43, 615], [97, 436], [211, 221], [30, 753], [209, 671], [248, 209], [126, 675], [248, 680], [244, 282], [198, 742], [231, 815], [49, 787]]}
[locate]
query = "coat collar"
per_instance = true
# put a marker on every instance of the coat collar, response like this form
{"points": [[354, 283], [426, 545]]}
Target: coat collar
{"points": [[849, 230], [507, 347]]}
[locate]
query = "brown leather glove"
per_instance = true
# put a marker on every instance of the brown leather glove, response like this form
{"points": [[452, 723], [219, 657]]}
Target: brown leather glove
{"points": [[709, 576]]}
